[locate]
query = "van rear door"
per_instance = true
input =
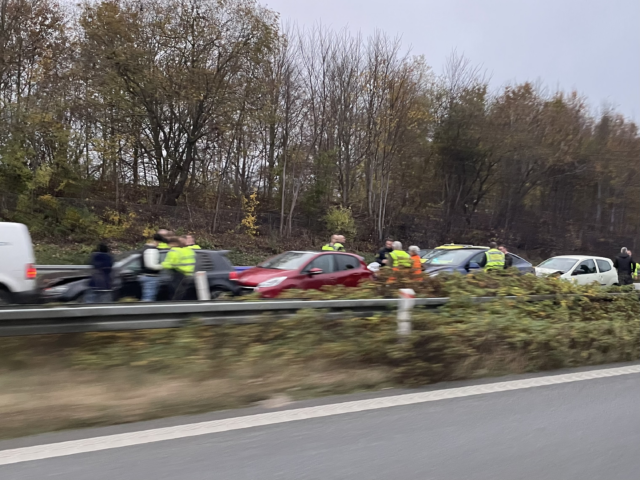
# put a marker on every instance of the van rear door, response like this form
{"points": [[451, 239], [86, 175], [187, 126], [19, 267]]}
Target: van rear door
{"points": [[17, 262]]}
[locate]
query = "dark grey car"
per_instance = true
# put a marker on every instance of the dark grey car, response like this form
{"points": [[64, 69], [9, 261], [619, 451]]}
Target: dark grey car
{"points": [[466, 260], [126, 279]]}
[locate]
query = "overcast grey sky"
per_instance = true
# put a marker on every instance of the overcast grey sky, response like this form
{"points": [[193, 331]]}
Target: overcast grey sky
{"points": [[592, 46]]}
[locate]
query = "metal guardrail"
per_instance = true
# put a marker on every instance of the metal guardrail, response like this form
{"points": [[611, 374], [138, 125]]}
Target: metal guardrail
{"points": [[113, 317], [74, 268]]}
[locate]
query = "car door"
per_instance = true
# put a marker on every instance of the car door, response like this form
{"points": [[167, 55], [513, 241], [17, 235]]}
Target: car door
{"points": [[316, 281], [474, 263], [606, 274], [127, 284], [348, 270], [585, 272], [521, 264]]}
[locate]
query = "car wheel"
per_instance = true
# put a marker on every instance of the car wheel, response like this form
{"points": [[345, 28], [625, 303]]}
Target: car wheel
{"points": [[217, 293], [5, 297]]}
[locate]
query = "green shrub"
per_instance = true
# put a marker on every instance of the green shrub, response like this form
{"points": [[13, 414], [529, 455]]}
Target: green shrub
{"points": [[339, 220]]}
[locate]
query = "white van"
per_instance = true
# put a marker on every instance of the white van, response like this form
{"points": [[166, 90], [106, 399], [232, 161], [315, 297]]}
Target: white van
{"points": [[17, 265]]}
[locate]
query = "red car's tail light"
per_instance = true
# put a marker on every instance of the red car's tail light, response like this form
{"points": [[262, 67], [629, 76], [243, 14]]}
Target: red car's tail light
{"points": [[233, 275], [32, 273]]}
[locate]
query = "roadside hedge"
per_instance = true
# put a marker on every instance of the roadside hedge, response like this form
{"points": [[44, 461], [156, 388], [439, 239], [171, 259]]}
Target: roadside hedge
{"points": [[480, 284], [459, 340]]}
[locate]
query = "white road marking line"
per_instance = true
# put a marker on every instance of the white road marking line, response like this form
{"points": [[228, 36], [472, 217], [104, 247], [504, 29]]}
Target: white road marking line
{"points": [[96, 444]]}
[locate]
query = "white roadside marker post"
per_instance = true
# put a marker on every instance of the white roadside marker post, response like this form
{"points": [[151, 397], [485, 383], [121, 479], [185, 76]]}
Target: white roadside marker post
{"points": [[406, 304], [202, 286]]}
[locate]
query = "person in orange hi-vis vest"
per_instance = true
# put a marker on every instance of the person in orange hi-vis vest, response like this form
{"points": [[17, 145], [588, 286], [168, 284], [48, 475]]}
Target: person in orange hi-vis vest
{"points": [[416, 264]]}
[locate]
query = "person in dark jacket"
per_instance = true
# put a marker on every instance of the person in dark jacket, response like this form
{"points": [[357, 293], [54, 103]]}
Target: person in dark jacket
{"points": [[384, 252], [100, 282], [624, 265], [508, 259]]}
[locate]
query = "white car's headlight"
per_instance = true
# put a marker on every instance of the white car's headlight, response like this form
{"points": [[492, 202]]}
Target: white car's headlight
{"points": [[272, 282]]}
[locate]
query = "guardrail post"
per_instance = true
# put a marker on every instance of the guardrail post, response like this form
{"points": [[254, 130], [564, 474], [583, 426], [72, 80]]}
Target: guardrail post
{"points": [[407, 301], [202, 286]]}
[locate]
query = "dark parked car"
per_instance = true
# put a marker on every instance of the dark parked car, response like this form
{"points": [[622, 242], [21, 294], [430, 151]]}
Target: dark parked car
{"points": [[127, 285], [304, 270], [465, 260]]}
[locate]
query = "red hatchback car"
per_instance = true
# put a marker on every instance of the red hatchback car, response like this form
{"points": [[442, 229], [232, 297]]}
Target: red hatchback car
{"points": [[303, 270]]}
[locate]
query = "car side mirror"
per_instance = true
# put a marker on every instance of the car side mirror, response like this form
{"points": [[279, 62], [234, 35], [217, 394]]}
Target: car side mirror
{"points": [[473, 266], [315, 271], [577, 272]]}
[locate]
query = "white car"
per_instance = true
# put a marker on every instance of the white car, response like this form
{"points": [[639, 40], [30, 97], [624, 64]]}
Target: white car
{"points": [[580, 269]]}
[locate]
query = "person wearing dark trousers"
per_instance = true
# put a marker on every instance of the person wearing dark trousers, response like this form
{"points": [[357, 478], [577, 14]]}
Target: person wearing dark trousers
{"points": [[151, 269], [100, 282], [624, 265]]}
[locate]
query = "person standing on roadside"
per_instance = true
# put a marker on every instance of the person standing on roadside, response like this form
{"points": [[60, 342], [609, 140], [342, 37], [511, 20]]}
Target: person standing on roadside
{"points": [[624, 265], [151, 269], [383, 253], [341, 241], [100, 282], [171, 264], [399, 258], [508, 259], [164, 234], [330, 246], [416, 261], [191, 243], [181, 260], [334, 245], [493, 259], [634, 267]]}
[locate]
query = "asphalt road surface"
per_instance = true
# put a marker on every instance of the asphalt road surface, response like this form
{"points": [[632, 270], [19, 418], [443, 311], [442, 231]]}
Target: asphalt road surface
{"points": [[582, 430]]}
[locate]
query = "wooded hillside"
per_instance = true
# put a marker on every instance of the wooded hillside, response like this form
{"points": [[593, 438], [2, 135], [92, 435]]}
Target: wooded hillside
{"points": [[201, 103]]}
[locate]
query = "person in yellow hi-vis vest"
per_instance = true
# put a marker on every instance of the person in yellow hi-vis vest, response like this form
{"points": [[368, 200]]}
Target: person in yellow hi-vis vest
{"points": [[399, 258], [191, 243], [181, 261], [334, 245], [634, 267], [493, 258]]}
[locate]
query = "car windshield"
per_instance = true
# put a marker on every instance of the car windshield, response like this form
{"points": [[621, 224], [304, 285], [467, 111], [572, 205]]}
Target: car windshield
{"points": [[433, 253], [559, 264], [287, 261], [451, 257]]}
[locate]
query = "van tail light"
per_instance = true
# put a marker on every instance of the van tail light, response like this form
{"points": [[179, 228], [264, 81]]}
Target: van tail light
{"points": [[233, 275], [32, 272]]}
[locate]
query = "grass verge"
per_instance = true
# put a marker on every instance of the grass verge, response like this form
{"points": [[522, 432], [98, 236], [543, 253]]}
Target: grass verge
{"points": [[35, 401]]}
